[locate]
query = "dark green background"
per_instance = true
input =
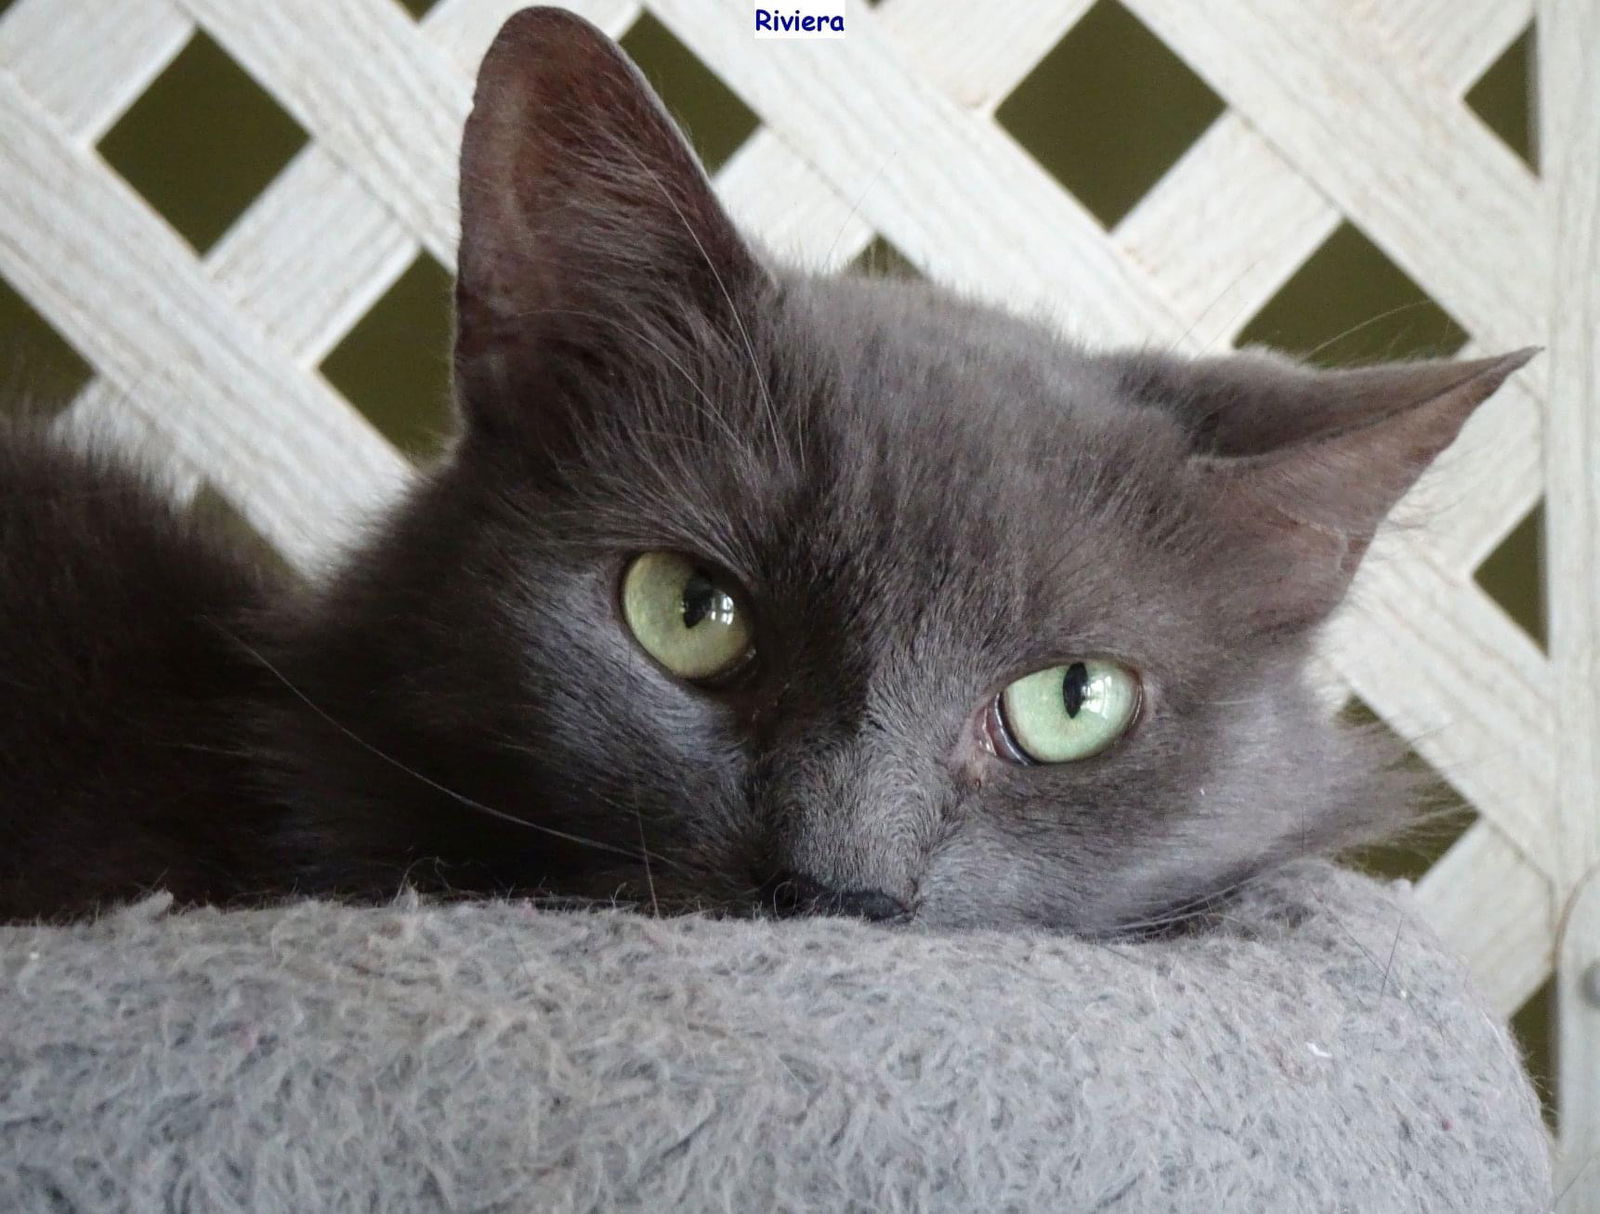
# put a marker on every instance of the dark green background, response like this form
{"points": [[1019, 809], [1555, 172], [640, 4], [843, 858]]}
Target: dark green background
{"points": [[1107, 111]]}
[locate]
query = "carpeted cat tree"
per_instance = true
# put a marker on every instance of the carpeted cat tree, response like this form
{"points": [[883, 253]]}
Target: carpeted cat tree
{"points": [[1314, 1050]]}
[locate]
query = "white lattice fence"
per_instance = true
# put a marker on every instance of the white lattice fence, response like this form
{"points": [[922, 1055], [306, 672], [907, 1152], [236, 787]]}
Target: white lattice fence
{"points": [[1337, 109]]}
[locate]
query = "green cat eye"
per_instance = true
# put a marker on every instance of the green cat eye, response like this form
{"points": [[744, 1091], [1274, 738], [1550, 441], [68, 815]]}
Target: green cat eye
{"points": [[1069, 712], [687, 618]]}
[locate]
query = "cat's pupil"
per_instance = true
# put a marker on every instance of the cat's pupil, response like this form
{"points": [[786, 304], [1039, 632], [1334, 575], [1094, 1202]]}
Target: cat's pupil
{"points": [[702, 601], [1075, 688]]}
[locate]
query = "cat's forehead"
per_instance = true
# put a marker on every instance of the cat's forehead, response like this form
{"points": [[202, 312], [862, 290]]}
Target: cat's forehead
{"points": [[960, 461], [884, 451], [959, 413], [909, 353]]}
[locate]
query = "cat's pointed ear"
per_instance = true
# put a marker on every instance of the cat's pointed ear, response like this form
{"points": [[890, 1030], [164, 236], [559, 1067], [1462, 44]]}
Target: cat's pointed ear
{"points": [[1303, 466], [586, 220]]}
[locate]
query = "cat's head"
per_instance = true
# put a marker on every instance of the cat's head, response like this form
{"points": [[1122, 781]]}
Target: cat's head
{"points": [[764, 589]]}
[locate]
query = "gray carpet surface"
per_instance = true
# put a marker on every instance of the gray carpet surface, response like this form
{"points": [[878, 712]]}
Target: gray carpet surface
{"points": [[1317, 1050]]}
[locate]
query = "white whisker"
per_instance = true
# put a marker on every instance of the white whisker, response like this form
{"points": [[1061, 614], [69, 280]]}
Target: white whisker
{"points": [[460, 798]]}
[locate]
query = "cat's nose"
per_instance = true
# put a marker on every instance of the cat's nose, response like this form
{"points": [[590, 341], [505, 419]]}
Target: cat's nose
{"points": [[790, 894]]}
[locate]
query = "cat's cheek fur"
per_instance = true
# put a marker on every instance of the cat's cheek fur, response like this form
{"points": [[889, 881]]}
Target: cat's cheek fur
{"points": [[1208, 788]]}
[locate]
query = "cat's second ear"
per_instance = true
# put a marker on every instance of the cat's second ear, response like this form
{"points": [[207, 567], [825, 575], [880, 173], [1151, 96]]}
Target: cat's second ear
{"points": [[586, 221], [1299, 467]]}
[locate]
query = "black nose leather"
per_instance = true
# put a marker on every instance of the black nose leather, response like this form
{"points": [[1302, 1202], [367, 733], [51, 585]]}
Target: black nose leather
{"points": [[791, 894]]}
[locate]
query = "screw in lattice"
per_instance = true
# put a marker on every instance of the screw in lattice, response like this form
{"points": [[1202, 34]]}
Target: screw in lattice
{"points": [[1589, 984]]}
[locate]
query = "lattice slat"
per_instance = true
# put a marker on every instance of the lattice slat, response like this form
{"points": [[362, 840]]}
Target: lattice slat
{"points": [[1422, 177], [1429, 671], [1569, 100], [1455, 40], [1225, 228], [903, 141], [226, 399], [355, 74], [975, 54], [313, 253], [1505, 938], [86, 61], [463, 29]]}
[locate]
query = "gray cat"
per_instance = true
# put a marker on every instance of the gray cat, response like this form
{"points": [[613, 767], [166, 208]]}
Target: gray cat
{"points": [[739, 589]]}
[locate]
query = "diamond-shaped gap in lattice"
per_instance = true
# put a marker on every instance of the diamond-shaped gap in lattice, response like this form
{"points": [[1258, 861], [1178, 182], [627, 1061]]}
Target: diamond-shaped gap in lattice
{"points": [[1531, 1026], [1502, 96], [1513, 575], [202, 141], [1350, 304], [216, 515], [394, 364], [1441, 814], [417, 8], [1109, 110], [713, 117], [40, 371], [881, 259]]}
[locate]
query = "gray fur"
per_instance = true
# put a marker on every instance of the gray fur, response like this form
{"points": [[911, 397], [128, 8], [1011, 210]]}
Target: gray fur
{"points": [[922, 500]]}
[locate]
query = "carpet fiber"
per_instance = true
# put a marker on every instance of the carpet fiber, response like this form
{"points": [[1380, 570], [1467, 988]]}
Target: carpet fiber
{"points": [[1315, 1051]]}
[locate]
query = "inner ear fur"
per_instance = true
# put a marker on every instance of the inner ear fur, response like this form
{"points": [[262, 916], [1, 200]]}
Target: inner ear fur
{"points": [[586, 220]]}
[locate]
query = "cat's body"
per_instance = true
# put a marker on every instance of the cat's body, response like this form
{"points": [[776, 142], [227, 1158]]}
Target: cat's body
{"points": [[121, 764], [913, 504]]}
